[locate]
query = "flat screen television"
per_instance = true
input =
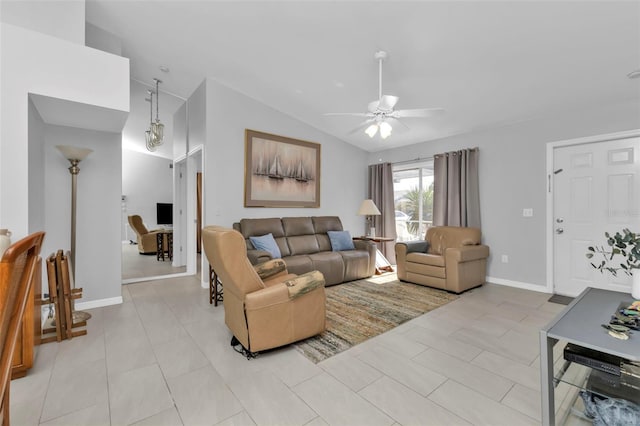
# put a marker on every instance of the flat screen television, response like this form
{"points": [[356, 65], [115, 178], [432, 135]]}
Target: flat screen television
{"points": [[164, 213]]}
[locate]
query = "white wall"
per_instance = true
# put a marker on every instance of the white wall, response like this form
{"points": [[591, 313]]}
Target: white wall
{"points": [[146, 180], [513, 176], [228, 114], [61, 19], [102, 40], [98, 245], [44, 65], [36, 63]]}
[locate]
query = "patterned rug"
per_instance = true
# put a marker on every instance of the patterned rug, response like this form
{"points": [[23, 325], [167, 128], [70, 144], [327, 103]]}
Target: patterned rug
{"points": [[360, 310]]}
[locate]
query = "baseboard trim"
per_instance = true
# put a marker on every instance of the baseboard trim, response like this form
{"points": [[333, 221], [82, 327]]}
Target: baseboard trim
{"points": [[517, 284], [99, 303]]}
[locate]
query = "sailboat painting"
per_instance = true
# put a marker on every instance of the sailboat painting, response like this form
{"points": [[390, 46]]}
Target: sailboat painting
{"points": [[281, 171]]}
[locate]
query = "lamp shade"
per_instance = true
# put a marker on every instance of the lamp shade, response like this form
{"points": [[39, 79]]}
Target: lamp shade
{"points": [[368, 208], [74, 152]]}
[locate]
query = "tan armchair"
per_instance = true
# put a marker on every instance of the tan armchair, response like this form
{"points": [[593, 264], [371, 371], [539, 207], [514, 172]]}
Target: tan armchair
{"points": [[264, 306], [147, 240], [451, 258]]}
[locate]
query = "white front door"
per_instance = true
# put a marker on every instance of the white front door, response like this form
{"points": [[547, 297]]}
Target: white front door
{"points": [[596, 189]]}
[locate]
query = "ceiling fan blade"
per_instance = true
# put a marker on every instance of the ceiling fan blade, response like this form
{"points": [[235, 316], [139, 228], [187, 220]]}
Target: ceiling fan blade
{"points": [[387, 102], [361, 126], [373, 106], [419, 112], [357, 114], [397, 124]]}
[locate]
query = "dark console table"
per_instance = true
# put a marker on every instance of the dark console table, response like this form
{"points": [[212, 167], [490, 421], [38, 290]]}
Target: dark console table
{"points": [[580, 324]]}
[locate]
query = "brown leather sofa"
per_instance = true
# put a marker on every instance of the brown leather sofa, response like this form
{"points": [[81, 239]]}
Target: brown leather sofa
{"points": [[305, 246], [450, 258], [147, 240], [264, 306]]}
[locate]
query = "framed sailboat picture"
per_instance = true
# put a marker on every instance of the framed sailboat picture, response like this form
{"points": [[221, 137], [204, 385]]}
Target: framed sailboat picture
{"points": [[280, 171]]}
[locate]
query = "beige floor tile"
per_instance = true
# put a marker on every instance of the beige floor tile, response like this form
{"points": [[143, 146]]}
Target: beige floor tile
{"points": [[477, 408], [511, 345], [80, 350], [289, 365], [44, 357], [512, 370], [525, 400], [337, 404], [179, 356], [26, 413], [164, 330], [168, 417], [269, 401], [444, 343], [404, 370], [202, 397], [129, 354], [351, 371], [95, 415], [73, 390], [406, 406], [318, 421], [240, 419], [137, 394], [402, 343], [32, 386], [479, 379]]}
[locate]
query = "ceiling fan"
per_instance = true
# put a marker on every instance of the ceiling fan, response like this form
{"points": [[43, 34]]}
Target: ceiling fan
{"points": [[380, 114]]}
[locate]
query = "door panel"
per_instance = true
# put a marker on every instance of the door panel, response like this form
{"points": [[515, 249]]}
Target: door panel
{"points": [[595, 189]]}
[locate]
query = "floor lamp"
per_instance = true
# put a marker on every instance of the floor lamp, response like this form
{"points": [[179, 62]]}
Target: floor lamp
{"points": [[75, 155]]}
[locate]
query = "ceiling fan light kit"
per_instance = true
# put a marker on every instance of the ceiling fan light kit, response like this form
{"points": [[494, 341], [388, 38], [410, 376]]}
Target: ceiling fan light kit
{"points": [[380, 113]]}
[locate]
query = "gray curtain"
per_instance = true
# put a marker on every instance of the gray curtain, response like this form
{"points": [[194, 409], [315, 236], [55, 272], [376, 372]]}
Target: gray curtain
{"points": [[381, 192], [456, 196]]}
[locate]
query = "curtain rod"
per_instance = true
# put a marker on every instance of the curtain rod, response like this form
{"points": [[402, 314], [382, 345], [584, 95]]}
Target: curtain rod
{"points": [[415, 160]]}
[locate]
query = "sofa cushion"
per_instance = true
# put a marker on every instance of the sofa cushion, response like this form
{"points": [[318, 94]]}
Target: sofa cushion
{"points": [[303, 244], [330, 264], [322, 224], [253, 227], [267, 243], [442, 237], [340, 240], [297, 226], [426, 259], [298, 264]]}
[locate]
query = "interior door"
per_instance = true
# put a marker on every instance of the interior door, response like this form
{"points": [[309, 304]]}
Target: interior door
{"points": [[595, 190]]}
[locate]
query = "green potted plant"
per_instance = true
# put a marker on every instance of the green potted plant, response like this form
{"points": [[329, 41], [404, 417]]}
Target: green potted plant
{"points": [[625, 245]]}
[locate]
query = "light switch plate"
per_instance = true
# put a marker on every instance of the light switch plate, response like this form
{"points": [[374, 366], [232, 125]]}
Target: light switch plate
{"points": [[527, 212]]}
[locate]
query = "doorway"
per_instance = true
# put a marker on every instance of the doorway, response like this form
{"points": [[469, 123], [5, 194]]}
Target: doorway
{"points": [[593, 188]]}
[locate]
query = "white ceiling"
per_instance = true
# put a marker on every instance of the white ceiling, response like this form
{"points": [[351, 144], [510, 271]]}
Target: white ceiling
{"points": [[487, 63]]}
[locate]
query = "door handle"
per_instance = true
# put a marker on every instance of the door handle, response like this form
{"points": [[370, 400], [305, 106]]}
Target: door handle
{"points": [[559, 230]]}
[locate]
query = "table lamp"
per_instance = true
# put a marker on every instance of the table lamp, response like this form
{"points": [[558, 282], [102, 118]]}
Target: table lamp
{"points": [[368, 208]]}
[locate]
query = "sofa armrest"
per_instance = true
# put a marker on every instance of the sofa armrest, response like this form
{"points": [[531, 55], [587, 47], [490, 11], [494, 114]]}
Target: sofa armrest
{"points": [[366, 245], [270, 268], [466, 253], [279, 294], [258, 256], [304, 283], [420, 246]]}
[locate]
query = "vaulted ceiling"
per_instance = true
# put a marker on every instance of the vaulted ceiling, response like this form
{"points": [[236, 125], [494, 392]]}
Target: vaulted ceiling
{"points": [[486, 63]]}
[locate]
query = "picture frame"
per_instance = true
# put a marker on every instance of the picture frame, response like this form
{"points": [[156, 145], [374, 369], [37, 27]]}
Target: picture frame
{"points": [[280, 171]]}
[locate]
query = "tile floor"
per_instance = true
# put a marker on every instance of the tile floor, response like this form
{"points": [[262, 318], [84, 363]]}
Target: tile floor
{"points": [[163, 358]]}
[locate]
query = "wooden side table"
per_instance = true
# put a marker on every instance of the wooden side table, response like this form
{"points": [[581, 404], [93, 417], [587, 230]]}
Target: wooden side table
{"points": [[382, 264], [161, 236]]}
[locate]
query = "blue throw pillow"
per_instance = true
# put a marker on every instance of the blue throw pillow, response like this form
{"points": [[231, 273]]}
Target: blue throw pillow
{"points": [[340, 240], [267, 243]]}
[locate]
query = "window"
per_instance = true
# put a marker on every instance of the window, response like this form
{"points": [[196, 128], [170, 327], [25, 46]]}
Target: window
{"points": [[413, 195]]}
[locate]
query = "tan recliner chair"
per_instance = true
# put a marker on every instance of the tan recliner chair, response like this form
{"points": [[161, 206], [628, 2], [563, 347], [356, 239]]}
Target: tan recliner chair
{"points": [[451, 258], [147, 240], [264, 306]]}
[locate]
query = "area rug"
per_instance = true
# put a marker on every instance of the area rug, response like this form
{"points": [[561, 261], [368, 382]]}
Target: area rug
{"points": [[360, 310], [561, 300]]}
